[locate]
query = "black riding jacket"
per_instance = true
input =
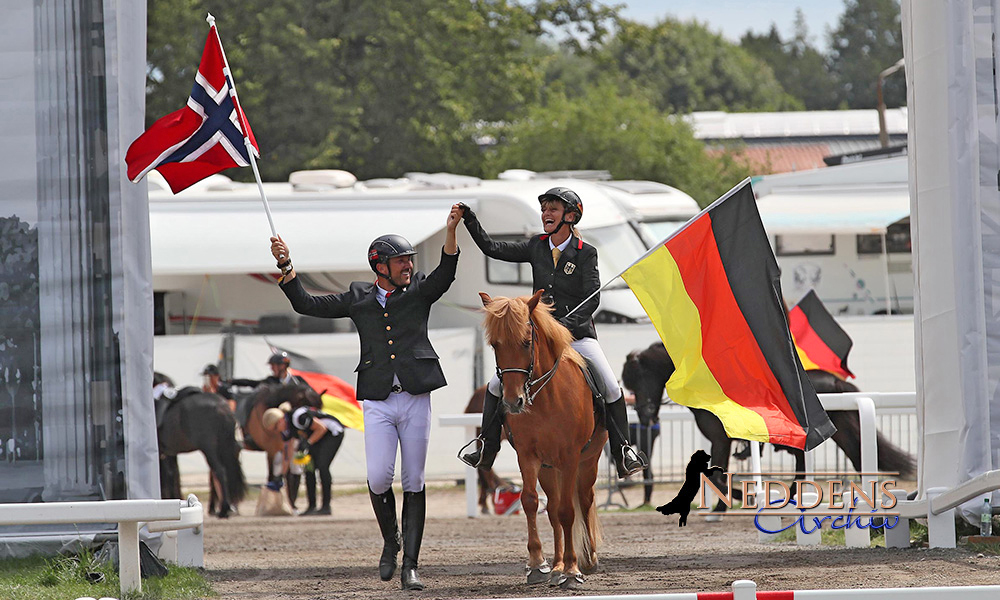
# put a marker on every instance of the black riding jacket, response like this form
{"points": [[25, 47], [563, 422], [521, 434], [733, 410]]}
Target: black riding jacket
{"points": [[393, 339], [566, 285]]}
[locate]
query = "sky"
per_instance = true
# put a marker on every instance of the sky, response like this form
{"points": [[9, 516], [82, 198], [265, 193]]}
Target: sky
{"points": [[734, 17]]}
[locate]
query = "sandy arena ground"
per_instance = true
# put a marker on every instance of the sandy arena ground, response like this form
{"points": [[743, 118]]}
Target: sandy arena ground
{"points": [[643, 552]]}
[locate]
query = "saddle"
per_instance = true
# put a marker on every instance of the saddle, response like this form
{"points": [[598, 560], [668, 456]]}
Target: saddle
{"points": [[170, 397]]}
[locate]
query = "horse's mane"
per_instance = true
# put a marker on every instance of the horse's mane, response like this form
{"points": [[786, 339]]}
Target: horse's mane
{"points": [[507, 323], [656, 358]]}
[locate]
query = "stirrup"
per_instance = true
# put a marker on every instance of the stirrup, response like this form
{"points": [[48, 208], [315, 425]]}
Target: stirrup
{"points": [[630, 454], [480, 448]]}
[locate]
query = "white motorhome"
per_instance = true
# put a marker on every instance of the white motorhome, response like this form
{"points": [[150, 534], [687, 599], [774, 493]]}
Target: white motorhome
{"points": [[212, 266], [843, 231]]}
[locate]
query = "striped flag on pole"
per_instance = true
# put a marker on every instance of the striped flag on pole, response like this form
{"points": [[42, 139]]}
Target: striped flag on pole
{"points": [[205, 137], [712, 291], [821, 342]]}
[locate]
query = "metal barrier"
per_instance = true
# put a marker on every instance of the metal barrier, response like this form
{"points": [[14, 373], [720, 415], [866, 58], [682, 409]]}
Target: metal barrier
{"points": [[679, 438]]}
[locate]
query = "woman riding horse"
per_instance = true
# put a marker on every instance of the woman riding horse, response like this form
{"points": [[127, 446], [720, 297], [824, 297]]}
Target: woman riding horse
{"points": [[564, 267]]}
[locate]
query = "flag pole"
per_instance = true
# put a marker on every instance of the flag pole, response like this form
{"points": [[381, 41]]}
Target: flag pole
{"points": [[243, 124], [669, 237]]}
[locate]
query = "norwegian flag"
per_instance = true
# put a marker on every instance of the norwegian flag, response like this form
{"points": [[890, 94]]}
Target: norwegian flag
{"points": [[204, 137]]}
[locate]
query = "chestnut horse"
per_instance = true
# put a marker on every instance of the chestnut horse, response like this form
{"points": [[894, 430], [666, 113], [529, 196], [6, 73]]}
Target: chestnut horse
{"points": [[552, 427], [250, 411]]}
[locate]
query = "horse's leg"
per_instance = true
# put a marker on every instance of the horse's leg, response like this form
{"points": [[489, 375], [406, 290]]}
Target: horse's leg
{"points": [[529, 465], [483, 492], [721, 447], [215, 464], [585, 480], [647, 473], [214, 495], [567, 494], [549, 479], [800, 471]]}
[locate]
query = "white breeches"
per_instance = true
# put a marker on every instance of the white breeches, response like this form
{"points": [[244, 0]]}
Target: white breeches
{"points": [[401, 420]]}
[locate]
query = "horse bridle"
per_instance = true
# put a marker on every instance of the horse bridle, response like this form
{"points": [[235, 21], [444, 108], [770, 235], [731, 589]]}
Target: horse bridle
{"points": [[541, 382]]}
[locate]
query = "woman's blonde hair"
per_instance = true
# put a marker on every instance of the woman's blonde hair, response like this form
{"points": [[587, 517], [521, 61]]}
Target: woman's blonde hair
{"points": [[271, 416]]}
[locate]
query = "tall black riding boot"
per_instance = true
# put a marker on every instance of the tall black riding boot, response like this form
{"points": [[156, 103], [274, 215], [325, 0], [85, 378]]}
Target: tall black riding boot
{"points": [[292, 482], [310, 494], [414, 509], [627, 459], [488, 443], [385, 511]]}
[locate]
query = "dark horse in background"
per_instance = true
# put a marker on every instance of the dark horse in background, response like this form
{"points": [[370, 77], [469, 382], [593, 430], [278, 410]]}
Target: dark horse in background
{"points": [[646, 372], [197, 420]]}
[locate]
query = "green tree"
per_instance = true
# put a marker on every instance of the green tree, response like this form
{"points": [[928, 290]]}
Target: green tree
{"points": [[868, 39], [627, 135], [685, 67], [377, 88], [799, 67]]}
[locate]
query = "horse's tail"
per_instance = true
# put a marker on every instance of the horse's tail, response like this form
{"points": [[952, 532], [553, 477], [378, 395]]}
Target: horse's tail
{"points": [[586, 528], [891, 458], [236, 483]]}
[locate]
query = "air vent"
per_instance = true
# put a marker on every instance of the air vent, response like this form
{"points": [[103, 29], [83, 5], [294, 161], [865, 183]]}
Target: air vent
{"points": [[320, 180]]}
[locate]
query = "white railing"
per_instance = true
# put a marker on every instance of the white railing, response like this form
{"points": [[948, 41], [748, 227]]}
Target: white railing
{"points": [[155, 515]]}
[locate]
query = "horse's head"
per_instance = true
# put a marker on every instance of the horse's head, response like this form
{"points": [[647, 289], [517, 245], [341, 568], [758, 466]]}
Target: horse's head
{"points": [[299, 395], [511, 334], [645, 373]]}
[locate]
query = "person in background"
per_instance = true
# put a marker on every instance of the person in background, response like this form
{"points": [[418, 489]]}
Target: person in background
{"points": [[318, 436], [212, 382], [565, 267], [398, 370]]}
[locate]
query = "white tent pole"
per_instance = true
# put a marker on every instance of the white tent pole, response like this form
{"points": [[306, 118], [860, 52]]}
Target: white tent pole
{"points": [[885, 267]]}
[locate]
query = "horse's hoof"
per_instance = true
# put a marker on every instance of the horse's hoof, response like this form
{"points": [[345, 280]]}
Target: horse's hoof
{"points": [[555, 578], [713, 518], [539, 574], [572, 582]]}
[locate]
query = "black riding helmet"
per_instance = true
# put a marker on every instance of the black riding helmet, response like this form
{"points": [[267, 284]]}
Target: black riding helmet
{"points": [[279, 358], [388, 246], [567, 197]]}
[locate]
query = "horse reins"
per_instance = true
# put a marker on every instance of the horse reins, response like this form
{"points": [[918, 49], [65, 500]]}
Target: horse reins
{"points": [[541, 382]]}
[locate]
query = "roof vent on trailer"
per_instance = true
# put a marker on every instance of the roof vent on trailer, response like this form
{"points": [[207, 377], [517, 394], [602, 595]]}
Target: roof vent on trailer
{"points": [[517, 175], [443, 181], [321, 180]]}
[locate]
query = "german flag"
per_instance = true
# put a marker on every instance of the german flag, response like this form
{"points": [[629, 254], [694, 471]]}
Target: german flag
{"points": [[821, 343], [712, 291], [339, 398]]}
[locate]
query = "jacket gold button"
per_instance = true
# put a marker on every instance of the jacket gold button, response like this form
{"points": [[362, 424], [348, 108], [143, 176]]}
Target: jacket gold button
{"points": [[385, 314], [390, 342], [387, 328], [392, 356]]}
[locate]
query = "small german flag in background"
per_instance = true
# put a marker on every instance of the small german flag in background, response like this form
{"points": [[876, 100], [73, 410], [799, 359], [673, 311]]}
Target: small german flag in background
{"points": [[820, 341], [712, 291], [339, 397]]}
